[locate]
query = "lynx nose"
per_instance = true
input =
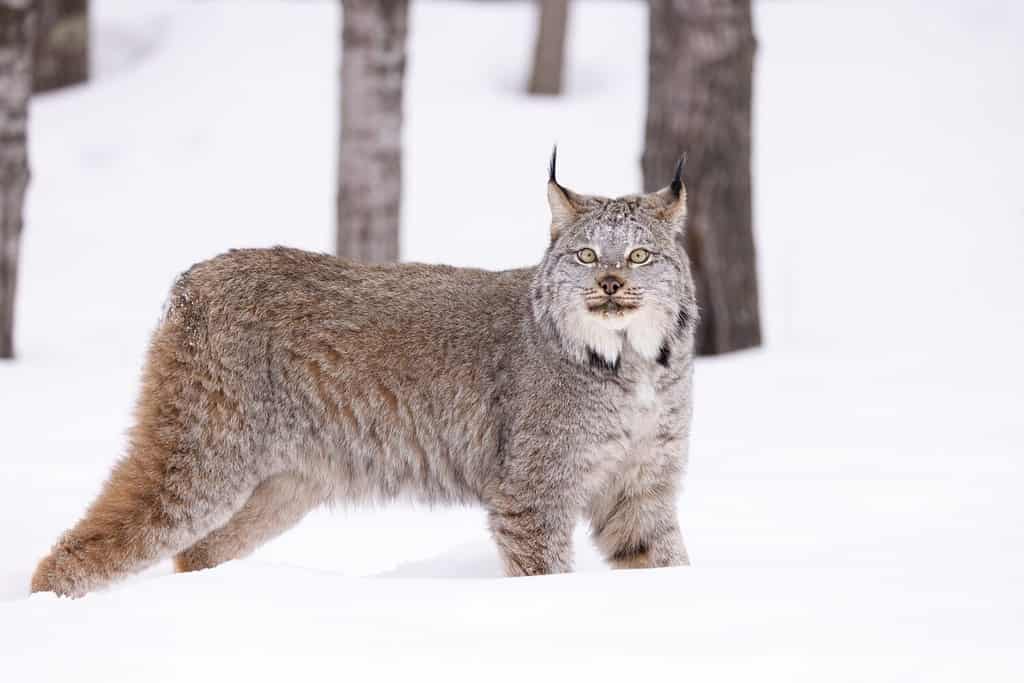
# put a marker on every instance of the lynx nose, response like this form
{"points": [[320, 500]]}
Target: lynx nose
{"points": [[610, 284]]}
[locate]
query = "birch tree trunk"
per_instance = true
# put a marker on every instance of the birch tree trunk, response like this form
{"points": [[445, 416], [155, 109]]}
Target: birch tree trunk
{"points": [[17, 25], [549, 53], [699, 102], [62, 44], [370, 167]]}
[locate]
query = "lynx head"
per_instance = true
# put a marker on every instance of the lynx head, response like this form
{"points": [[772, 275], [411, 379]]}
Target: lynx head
{"points": [[615, 272]]}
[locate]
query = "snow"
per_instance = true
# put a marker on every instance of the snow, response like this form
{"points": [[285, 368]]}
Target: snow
{"points": [[853, 503]]}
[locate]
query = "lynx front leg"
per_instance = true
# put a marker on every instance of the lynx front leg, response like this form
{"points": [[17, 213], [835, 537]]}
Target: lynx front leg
{"points": [[635, 524], [639, 531], [533, 540]]}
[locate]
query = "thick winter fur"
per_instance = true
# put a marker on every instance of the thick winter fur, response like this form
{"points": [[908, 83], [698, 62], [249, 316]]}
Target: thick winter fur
{"points": [[279, 380]]}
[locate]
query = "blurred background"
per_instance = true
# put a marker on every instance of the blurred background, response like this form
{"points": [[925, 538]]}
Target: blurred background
{"points": [[858, 225]]}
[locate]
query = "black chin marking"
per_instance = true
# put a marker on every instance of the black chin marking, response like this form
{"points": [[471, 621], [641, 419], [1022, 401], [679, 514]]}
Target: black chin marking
{"points": [[663, 355], [600, 363]]}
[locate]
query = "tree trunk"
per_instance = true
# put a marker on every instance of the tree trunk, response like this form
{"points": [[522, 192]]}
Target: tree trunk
{"points": [[370, 167], [699, 102], [62, 44], [17, 25], [549, 54]]}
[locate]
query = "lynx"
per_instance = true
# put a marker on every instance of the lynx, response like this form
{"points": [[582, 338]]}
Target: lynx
{"points": [[279, 380]]}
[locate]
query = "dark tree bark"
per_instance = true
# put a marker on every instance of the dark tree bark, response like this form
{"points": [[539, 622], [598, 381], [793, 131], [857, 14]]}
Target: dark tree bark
{"points": [[370, 167], [17, 27], [699, 102], [62, 44], [549, 52]]}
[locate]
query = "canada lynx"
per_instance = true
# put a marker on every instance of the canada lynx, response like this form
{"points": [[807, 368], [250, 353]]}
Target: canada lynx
{"points": [[279, 380]]}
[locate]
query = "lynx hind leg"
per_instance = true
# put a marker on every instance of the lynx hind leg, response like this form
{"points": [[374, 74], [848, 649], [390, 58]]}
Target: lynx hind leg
{"points": [[276, 505], [637, 527], [148, 510], [186, 473]]}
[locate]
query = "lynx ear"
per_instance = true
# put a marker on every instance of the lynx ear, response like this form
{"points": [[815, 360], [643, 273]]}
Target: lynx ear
{"points": [[564, 207], [673, 198]]}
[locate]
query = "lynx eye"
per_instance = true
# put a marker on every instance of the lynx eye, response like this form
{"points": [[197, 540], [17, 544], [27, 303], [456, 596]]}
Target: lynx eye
{"points": [[639, 257], [587, 256]]}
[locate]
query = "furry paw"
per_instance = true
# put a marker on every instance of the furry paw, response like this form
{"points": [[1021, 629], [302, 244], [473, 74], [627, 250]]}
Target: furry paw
{"points": [[54, 576]]}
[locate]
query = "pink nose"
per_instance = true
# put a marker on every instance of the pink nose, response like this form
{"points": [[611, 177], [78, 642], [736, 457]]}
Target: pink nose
{"points": [[610, 284]]}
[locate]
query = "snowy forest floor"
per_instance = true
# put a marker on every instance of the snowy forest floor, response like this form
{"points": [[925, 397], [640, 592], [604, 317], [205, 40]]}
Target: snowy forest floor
{"points": [[853, 507]]}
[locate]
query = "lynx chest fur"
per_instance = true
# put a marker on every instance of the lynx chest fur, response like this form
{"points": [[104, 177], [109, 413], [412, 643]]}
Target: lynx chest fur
{"points": [[644, 402], [279, 380]]}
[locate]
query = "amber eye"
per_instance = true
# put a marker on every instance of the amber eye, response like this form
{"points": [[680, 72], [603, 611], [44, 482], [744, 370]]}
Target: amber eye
{"points": [[639, 256], [587, 256]]}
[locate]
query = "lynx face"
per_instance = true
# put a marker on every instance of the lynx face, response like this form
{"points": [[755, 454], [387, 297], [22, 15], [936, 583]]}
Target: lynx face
{"points": [[616, 271]]}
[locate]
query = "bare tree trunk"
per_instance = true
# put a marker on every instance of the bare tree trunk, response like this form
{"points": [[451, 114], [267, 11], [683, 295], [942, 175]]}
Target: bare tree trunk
{"points": [[699, 102], [370, 167], [17, 26], [62, 44], [549, 54]]}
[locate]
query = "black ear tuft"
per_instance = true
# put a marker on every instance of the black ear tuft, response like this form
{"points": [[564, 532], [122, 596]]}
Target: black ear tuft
{"points": [[551, 165], [677, 179]]}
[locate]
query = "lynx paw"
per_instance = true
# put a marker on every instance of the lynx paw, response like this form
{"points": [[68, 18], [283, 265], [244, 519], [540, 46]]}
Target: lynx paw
{"points": [[59, 573]]}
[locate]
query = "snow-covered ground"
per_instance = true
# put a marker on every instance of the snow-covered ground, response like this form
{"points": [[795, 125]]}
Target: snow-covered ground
{"points": [[853, 507]]}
